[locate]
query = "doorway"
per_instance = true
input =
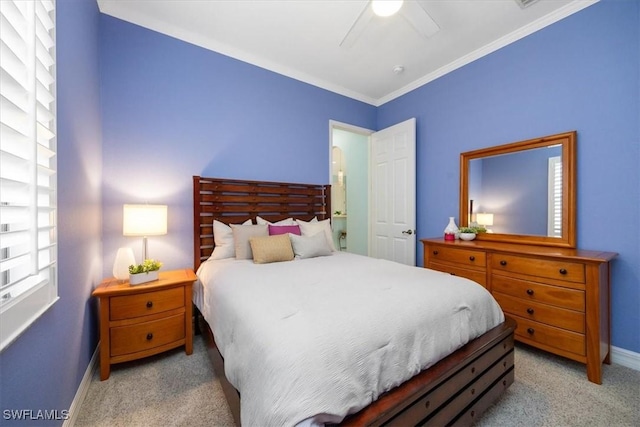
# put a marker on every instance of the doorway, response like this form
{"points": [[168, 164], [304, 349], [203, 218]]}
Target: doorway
{"points": [[349, 171]]}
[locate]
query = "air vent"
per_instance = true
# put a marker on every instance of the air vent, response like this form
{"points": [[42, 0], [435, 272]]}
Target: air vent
{"points": [[525, 3]]}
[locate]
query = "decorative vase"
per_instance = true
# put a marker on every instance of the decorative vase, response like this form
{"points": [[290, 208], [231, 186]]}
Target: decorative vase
{"points": [[139, 278], [451, 232], [124, 258], [467, 236]]}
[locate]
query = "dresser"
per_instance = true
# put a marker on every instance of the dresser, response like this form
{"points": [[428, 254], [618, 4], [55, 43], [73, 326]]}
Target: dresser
{"points": [[558, 297], [142, 320]]}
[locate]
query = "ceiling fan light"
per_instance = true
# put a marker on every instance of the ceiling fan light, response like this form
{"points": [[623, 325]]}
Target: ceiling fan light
{"points": [[386, 7]]}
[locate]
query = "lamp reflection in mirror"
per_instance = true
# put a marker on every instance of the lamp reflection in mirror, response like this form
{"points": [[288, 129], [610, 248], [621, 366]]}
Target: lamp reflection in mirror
{"points": [[144, 220], [485, 220]]}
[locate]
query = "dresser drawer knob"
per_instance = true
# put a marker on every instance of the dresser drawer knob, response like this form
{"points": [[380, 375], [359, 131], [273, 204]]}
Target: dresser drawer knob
{"points": [[530, 310], [563, 271], [149, 304], [503, 262], [529, 291], [530, 331], [472, 258], [435, 252], [149, 336]]}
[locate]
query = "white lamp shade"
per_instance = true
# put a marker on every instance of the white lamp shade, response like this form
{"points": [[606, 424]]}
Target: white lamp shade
{"points": [[144, 220], [124, 258], [484, 218]]}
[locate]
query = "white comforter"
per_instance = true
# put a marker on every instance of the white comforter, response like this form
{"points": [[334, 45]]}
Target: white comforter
{"points": [[328, 335]]}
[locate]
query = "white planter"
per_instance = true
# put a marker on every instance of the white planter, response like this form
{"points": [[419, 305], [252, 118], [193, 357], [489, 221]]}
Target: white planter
{"points": [[467, 236], [137, 279]]}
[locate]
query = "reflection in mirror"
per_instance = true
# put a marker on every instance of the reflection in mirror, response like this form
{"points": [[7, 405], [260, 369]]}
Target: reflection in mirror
{"points": [[518, 193], [521, 192]]}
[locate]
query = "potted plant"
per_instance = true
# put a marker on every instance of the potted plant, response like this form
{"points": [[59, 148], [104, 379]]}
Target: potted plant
{"points": [[145, 272], [467, 233]]}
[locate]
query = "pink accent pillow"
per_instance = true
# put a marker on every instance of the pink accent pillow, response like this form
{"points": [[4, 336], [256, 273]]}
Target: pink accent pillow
{"points": [[284, 229]]}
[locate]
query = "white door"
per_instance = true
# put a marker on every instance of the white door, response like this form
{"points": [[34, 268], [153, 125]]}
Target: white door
{"points": [[393, 193]]}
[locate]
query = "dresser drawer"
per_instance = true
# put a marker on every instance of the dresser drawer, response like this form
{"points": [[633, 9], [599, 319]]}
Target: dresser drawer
{"points": [[535, 332], [475, 275], [146, 335], [559, 270], [458, 256], [543, 313], [136, 305], [537, 292]]}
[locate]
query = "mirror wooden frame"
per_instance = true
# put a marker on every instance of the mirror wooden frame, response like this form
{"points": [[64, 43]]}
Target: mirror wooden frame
{"points": [[568, 143]]}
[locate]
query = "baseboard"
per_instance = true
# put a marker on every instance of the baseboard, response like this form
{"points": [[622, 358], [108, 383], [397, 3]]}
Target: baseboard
{"points": [[83, 389], [627, 358]]}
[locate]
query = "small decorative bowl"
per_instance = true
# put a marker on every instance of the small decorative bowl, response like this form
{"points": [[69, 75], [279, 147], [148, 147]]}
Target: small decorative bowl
{"points": [[467, 236]]}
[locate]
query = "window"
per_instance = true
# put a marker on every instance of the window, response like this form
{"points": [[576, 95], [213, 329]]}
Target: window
{"points": [[28, 250]]}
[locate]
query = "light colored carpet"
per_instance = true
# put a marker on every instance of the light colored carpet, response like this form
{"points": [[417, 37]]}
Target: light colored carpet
{"points": [[173, 389]]}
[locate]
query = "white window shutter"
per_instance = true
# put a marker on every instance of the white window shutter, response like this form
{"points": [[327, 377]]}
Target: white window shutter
{"points": [[28, 241]]}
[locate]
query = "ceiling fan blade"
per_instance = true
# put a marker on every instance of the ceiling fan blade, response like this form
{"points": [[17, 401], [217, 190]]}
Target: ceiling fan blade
{"points": [[358, 27], [420, 20]]}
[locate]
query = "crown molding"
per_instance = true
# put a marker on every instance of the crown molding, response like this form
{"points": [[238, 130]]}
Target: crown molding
{"points": [[114, 9]]}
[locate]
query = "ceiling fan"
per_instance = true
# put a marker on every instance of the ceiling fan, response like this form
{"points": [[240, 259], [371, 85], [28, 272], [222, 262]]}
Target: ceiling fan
{"points": [[413, 11]]}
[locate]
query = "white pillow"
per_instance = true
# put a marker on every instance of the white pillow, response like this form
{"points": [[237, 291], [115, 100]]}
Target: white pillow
{"points": [[242, 235], [311, 228], [310, 246], [288, 221], [223, 238]]}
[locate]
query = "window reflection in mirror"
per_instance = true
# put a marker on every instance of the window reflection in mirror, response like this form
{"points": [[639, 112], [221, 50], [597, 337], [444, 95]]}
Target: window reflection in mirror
{"points": [[520, 190]]}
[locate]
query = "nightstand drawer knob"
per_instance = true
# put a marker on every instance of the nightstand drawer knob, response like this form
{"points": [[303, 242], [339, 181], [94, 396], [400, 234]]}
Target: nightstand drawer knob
{"points": [[149, 304], [503, 262], [435, 252], [530, 331], [529, 291], [472, 258], [530, 310], [149, 336], [563, 271]]}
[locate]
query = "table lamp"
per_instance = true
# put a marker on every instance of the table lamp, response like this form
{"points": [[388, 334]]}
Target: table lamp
{"points": [[144, 220]]}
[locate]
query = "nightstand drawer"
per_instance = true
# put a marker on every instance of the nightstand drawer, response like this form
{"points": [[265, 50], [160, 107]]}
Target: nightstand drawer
{"points": [[531, 291], [475, 275], [559, 270], [458, 256], [143, 336], [136, 305], [543, 313]]}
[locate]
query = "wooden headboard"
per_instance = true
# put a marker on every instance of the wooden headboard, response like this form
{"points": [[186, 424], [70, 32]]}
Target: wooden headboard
{"points": [[234, 201]]}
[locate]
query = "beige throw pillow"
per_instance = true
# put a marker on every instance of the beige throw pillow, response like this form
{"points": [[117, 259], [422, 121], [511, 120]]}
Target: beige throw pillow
{"points": [[241, 236], [271, 249]]}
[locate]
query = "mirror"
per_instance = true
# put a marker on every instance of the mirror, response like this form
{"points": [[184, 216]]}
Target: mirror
{"points": [[522, 192]]}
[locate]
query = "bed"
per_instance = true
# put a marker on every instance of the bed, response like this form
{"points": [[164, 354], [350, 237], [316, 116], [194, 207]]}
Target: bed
{"points": [[452, 390]]}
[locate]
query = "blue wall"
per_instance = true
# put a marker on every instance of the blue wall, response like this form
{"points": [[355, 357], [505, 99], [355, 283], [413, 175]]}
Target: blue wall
{"points": [[43, 368], [173, 110], [582, 74]]}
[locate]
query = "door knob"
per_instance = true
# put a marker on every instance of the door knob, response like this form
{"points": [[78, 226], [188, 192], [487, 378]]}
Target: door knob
{"points": [[409, 232]]}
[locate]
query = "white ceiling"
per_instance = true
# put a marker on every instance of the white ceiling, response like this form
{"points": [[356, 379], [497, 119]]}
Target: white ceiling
{"points": [[301, 38]]}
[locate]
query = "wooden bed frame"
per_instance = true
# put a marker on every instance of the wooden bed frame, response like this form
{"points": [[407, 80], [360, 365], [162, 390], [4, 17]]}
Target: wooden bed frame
{"points": [[454, 391]]}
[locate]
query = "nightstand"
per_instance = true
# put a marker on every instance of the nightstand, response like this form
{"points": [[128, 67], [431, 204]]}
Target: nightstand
{"points": [[142, 320]]}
